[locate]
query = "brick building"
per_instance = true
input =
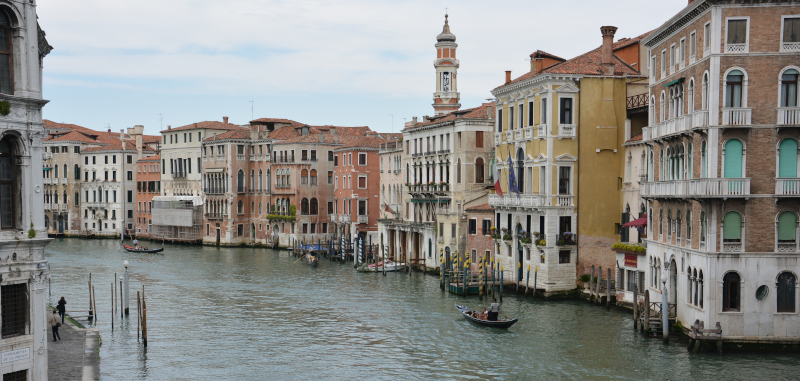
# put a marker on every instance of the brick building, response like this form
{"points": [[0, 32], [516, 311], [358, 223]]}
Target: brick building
{"points": [[479, 236], [148, 185], [722, 184]]}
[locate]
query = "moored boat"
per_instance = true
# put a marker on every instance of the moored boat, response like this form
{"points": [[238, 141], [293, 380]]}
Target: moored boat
{"points": [[390, 266], [468, 314], [141, 249]]}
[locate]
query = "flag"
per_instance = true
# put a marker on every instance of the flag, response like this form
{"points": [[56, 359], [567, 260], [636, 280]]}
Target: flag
{"points": [[512, 181], [497, 188]]}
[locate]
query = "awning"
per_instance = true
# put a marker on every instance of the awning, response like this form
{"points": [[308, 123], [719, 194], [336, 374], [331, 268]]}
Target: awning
{"points": [[639, 222], [424, 200], [675, 82], [47, 168], [214, 170]]}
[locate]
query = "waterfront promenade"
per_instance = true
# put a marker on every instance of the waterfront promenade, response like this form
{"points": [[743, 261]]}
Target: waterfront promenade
{"points": [[76, 356]]}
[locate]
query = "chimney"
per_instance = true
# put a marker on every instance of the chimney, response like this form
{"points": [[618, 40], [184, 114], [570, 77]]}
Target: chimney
{"points": [[225, 119], [607, 51], [122, 134], [109, 130], [335, 136], [508, 77], [169, 127]]}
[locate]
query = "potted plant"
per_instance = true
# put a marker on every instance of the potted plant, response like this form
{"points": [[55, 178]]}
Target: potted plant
{"points": [[566, 238], [525, 237], [627, 248], [506, 235], [584, 278]]}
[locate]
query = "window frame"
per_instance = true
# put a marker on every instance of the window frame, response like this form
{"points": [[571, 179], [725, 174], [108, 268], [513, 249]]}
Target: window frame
{"points": [[783, 26], [747, 33]]}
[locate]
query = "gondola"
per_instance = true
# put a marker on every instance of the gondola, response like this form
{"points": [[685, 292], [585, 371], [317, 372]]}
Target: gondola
{"points": [[496, 324], [312, 260], [141, 250]]}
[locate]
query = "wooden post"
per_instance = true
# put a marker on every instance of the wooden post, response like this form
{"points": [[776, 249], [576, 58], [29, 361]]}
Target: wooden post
{"points": [[698, 342], [138, 314], [528, 281], [94, 302], [647, 312], [91, 311], [718, 327], [121, 311], [112, 306], [519, 269], [608, 290], [501, 283], [591, 286], [535, 275], [599, 280], [144, 318], [636, 303]]}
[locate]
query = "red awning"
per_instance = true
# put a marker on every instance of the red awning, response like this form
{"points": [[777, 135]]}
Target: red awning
{"points": [[639, 222]]}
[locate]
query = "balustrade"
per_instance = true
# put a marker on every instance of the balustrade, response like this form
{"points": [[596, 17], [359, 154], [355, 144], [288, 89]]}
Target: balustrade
{"points": [[787, 187], [700, 118], [788, 116], [738, 116], [363, 219], [528, 133], [566, 130], [731, 247], [541, 131], [509, 135]]}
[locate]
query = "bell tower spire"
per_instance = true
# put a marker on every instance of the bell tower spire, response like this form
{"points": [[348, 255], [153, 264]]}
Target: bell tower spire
{"points": [[446, 98]]}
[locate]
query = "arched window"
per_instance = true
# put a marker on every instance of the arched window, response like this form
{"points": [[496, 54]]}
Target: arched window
{"points": [[458, 171], [789, 88], [9, 175], [730, 292], [786, 292], [787, 231], [690, 103], [703, 160], [678, 225], [314, 207], [652, 113], [733, 88], [787, 159], [732, 231], [260, 181], [690, 166], [252, 180], [313, 179], [669, 223], [479, 170], [700, 289], [77, 175], [704, 97], [733, 159], [694, 285], [6, 59], [240, 207], [663, 105], [304, 177], [304, 206], [240, 182], [688, 227], [661, 223], [702, 227]]}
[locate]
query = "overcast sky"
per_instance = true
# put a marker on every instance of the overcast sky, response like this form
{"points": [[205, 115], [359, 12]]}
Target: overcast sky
{"points": [[119, 63]]}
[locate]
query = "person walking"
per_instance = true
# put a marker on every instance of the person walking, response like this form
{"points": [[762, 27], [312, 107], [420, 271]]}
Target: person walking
{"points": [[494, 310], [54, 324], [62, 308]]}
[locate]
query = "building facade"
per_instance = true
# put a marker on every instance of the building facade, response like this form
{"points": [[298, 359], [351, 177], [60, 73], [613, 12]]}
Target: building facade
{"points": [[148, 185], [23, 237], [390, 157], [722, 182]]}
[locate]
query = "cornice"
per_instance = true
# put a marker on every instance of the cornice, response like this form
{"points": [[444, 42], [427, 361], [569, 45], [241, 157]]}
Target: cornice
{"points": [[676, 22]]}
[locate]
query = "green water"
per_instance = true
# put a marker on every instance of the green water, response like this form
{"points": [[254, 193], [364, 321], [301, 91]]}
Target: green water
{"points": [[241, 313]]}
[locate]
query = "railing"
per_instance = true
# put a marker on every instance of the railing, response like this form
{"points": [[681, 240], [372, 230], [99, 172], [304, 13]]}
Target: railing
{"points": [[47, 181], [675, 188], [363, 219], [509, 135], [735, 48], [541, 131], [333, 217], [214, 190], [738, 116], [787, 187], [790, 47], [720, 187], [647, 133], [788, 115], [518, 135], [564, 200], [285, 159], [513, 200], [46, 206], [656, 308], [416, 154], [47, 155], [220, 157], [787, 247], [344, 218], [688, 242], [216, 216], [566, 130], [528, 133], [702, 245], [240, 157], [700, 118], [637, 101], [443, 151], [732, 247], [179, 175]]}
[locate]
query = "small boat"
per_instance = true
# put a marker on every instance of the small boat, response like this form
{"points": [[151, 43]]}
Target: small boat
{"points": [[141, 249], [312, 260], [390, 266], [467, 312]]}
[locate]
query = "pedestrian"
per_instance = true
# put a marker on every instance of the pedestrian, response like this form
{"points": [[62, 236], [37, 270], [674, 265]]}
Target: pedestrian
{"points": [[62, 308], [494, 310], [54, 324]]}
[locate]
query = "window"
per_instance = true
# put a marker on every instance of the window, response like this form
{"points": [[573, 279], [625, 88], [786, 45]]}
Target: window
{"points": [[362, 207], [6, 59], [9, 173], [14, 301], [330, 155], [304, 207], [543, 112], [362, 159], [314, 206], [304, 155], [732, 230], [564, 180], [692, 45], [682, 53], [733, 88], [478, 139], [510, 119], [706, 36], [564, 256], [787, 161], [240, 229], [458, 138], [730, 292], [330, 207], [663, 63], [737, 31], [786, 292], [473, 226], [452, 230], [733, 157], [789, 88], [787, 231], [499, 123], [479, 175], [362, 182], [486, 227], [530, 113], [240, 182], [458, 171], [130, 159], [240, 207], [566, 111]]}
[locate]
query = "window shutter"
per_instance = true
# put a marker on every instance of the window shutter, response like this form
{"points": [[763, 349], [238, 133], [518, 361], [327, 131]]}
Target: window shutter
{"points": [[787, 223], [732, 226]]}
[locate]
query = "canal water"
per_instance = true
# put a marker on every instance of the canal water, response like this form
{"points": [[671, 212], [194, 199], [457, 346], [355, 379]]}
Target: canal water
{"points": [[245, 313]]}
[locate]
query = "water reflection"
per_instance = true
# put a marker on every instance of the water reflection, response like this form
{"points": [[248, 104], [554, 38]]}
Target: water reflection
{"points": [[239, 313]]}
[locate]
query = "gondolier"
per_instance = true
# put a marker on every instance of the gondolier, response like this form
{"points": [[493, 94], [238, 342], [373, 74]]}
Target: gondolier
{"points": [[494, 310]]}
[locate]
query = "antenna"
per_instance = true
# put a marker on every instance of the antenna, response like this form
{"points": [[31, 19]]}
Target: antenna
{"points": [[161, 120], [392, 115], [251, 110]]}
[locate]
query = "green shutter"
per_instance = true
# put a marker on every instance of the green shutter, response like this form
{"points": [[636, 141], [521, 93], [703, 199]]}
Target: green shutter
{"points": [[732, 226], [733, 159], [787, 223], [788, 158]]}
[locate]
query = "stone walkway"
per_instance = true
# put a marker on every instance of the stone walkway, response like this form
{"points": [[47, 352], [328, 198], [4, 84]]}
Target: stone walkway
{"points": [[76, 356]]}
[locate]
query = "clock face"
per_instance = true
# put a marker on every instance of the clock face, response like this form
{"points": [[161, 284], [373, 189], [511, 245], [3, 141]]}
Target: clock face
{"points": [[445, 81]]}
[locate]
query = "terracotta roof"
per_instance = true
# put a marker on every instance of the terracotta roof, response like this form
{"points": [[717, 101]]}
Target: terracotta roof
{"points": [[364, 142], [481, 207], [151, 139], [208, 124], [285, 132], [543, 54], [275, 120], [625, 42], [232, 134], [635, 137], [484, 111], [150, 158], [71, 136], [115, 146]]}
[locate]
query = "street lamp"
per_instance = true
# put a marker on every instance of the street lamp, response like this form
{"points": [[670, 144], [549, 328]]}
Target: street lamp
{"points": [[125, 299], [665, 308]]}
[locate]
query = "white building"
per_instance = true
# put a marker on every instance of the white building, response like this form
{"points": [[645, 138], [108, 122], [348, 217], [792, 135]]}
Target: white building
{"points": [[25, 333]]}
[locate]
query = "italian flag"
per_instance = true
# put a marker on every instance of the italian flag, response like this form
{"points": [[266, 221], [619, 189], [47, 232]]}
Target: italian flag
{"points": [[497, 188]]}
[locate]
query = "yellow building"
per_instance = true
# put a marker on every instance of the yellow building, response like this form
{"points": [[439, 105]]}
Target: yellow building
{"points": [[563, 125]]}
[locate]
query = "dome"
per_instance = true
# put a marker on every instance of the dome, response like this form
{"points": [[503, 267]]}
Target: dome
{"points": [[446, 35]]}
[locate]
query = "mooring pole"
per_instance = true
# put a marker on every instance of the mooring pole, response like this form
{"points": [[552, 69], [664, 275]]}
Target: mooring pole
{"points": [[608, 290], [528, 281], [501, 283], [665, 309], [535, 274]]}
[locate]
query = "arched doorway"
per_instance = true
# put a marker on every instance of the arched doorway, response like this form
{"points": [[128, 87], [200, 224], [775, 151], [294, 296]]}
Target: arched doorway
{"points": [[46, 222], [673, 284], [521, 170], [100, 225], [61, 224], [217, 228], [252, 232], [519, 252]]}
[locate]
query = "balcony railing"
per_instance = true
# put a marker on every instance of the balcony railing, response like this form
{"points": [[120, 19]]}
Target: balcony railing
{"points": [[528, 133], [637, 101], [240, 157], [333, 217], [216, 216], [509, 135], [787, 187], [566, 130], [791, 47], [344, 218], [720, 187], [64, 181], [47, 155], [738, 116], [732, 247], [541, 131], [565, 200], [676, 188], [787, 247], [735, 48], [788, 116], [529, 200], [285, 159], [700, 118], [48, 181], [363, 219], [214, 190]]}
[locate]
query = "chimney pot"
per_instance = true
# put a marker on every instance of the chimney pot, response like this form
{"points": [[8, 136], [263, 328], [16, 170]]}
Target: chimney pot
{"points": [[508, 76], [607, 50], [169, 127], [225, 119]]}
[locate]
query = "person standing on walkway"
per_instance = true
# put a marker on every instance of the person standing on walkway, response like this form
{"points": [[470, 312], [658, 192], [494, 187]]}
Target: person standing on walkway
{"points": [[53, 319], [494, 310], [62, 308]]}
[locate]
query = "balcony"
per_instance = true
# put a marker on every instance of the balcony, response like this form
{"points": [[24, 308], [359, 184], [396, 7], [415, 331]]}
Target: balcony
{"points": [[215, 216], [332, 217], [524, 200], [285, 159], [676, 188], [498, 137], [788, 116], [735, 48], [541, 131], [240, 157], [344, 218], [441, 151], [565, 200], [47, 155], [700, 118], [214, 190], [47, 207], [509, 136], [787, 187], [787, 247], [790, 47], [518, 135], [738, 116], [731, 247], [363, 219], [48, 181], [63, 181], [220, 157], [528, 132], [738, 187], [566, 131]]}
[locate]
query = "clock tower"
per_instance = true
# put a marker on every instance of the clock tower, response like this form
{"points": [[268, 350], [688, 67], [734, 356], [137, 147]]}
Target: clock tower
{"points": [[446, 97]]}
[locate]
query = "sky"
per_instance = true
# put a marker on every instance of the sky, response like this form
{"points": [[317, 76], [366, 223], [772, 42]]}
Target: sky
{"points": [[119, 63]]}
